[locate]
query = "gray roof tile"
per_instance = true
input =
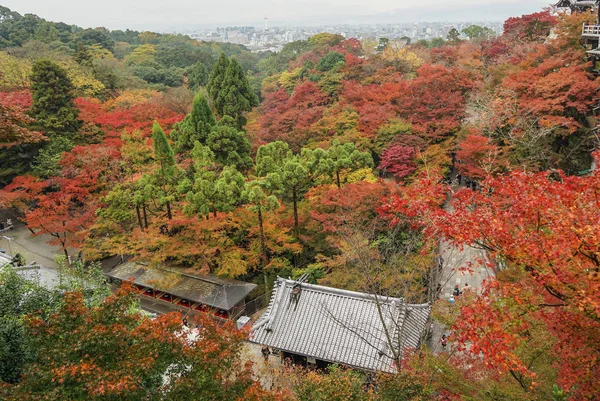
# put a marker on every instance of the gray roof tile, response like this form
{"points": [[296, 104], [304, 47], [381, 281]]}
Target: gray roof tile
{"points": [[206, 289], [339, 326]]}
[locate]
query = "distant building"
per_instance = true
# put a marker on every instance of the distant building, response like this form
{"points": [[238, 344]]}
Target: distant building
{"points": [[313, 324], [224, 298]]}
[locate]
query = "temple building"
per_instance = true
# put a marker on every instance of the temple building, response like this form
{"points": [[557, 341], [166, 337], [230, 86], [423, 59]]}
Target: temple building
{"points": [[315, 326], [222, 298]]}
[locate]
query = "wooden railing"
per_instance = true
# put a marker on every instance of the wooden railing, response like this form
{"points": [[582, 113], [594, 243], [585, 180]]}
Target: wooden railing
{"points": [[591, 30]]}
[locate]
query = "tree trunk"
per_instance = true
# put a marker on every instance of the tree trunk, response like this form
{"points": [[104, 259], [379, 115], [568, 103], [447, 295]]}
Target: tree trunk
{"points": [[169, 215], [66, 255], [214, 213], [262, 237], [145, 215], [295, 202], [337, 176], [139, 217]]}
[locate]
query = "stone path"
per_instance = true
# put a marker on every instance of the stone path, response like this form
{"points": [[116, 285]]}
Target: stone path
{"points": [[462, 266]]}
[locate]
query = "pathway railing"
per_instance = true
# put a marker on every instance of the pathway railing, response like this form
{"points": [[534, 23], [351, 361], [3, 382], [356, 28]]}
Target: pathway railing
{"points": [[591, 30]]}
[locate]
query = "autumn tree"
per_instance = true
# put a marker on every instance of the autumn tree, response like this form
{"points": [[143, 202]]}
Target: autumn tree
{"points": [[517, 219], [477, 157], [530, 27], [13, 127], [110, 350], [398, 160]]}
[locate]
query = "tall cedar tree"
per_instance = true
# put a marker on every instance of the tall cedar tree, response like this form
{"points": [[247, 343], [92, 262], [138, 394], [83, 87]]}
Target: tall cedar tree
{"points": [[53, 107], [196, 126], [164, 156], [230, 145], [236, 95], [217, 75]]}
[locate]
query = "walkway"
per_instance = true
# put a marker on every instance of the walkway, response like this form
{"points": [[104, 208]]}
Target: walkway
{"points": [[463, 266]]}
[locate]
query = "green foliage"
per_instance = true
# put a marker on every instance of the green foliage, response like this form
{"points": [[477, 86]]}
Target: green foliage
{"points": [[330, 61], [212, 192], [343, 158], [474, 32], [97, 36], [382, 44], [235, 95], [196, 126], [197, 75], [217, 76], [167, 173], [230, 145], [453, 35], [271, 155], [53, 107], [45, 164]]}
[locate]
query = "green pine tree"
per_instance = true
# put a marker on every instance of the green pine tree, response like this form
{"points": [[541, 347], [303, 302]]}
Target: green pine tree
{"points": [[230, 145], [198, 76], [344, 158], [196, 126], [217, 75], [236, 95], [166, 175], [53, 108]]}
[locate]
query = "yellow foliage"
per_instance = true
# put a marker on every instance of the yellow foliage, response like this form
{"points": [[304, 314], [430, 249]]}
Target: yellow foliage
{"points": [[147, 37], [437, 156], [141, 53], [232, 264], [290, 79], [363, 174], [98, 52], [82, 78], [128, 98], [14, 72], [401, 56]]}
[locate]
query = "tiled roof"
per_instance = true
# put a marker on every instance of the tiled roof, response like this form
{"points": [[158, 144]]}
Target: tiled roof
{"points": [[209, 290], [339, 326]]}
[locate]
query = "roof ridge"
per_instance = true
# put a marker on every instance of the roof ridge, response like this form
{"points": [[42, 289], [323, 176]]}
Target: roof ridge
{"points": [[347, 293]]}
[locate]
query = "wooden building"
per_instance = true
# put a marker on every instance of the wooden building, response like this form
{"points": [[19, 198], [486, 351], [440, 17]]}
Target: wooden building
{"points": [[223, 298]]}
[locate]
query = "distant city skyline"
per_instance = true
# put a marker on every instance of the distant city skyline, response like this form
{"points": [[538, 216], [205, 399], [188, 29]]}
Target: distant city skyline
{"points": [[185, 14]]}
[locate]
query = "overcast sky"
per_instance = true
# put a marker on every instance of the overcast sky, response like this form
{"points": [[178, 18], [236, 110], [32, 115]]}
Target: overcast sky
{"points": [[163, 14]]}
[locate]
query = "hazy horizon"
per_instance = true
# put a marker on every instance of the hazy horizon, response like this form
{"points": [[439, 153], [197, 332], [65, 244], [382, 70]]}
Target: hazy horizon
{"points": [[184, 14]]}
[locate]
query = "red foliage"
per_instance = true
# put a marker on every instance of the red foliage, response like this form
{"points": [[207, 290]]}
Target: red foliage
{"points": [[21, 99], [530, 27], [13, 130], [138, 116], [434, 102], [350, 46], [347, 208], [476, 157], [558, 94], [494, 49], [290, 118], [545, 226], [398, 160]]}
